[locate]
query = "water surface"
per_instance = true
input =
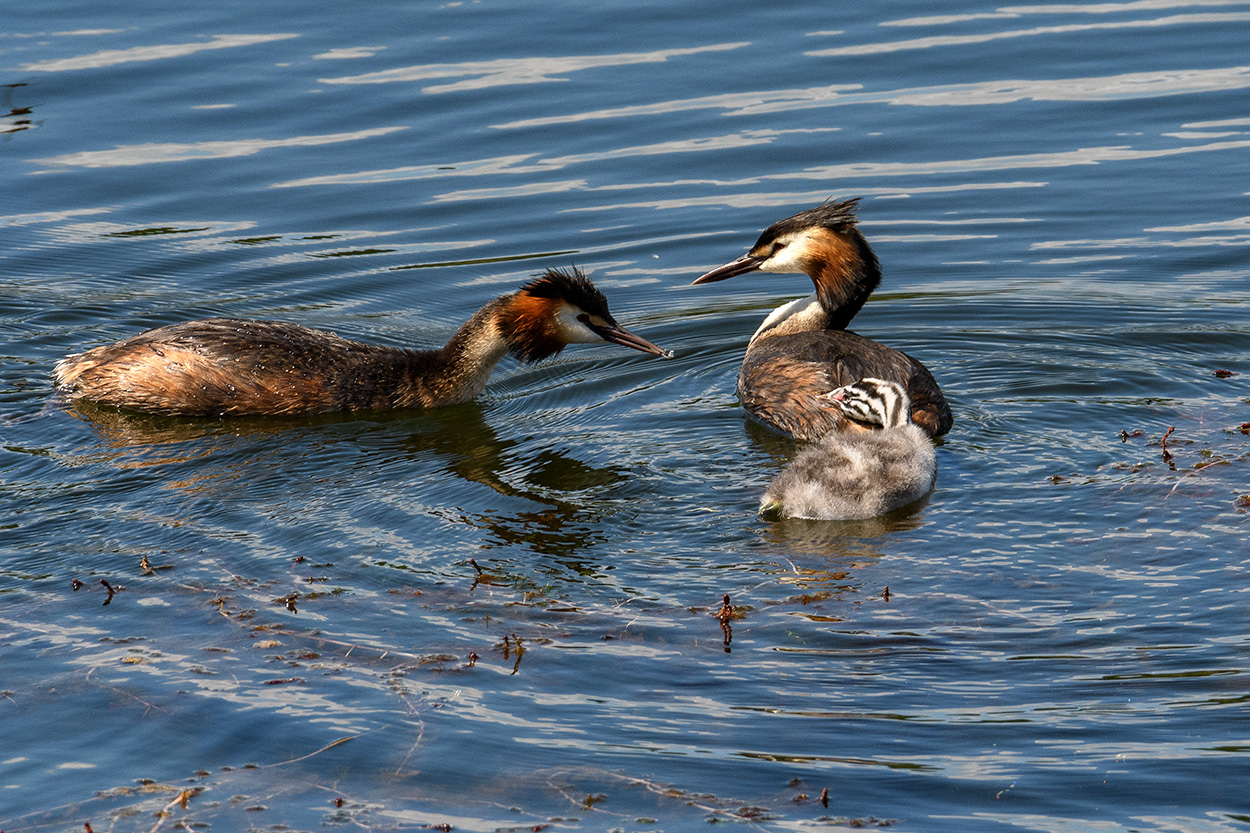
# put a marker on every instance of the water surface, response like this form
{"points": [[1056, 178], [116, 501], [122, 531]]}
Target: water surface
{"points": [[502, 615]]}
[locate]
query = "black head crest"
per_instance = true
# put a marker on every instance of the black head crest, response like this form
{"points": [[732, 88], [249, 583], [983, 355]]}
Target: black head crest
{"points": [[572, 287], [528, 318], [835, 216]]}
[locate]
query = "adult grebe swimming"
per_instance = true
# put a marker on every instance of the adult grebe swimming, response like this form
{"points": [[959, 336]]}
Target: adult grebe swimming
{"points": [[227, 366], [802, 350], [876, 460]]}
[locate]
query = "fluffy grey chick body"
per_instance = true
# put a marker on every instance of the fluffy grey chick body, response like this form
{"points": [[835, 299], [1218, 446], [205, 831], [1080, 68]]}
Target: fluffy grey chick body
{"points": [[877, 460]]}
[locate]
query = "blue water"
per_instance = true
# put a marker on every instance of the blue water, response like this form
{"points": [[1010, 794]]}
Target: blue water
{"points": [[1056, 641]]}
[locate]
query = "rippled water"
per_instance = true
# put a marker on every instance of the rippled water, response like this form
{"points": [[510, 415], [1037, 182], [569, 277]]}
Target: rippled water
{"points": [[502, 615]]}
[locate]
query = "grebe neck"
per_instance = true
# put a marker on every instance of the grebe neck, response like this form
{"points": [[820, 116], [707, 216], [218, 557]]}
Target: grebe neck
{"points": [[844, 270], [464, 364], [530, 327], [844, 277], [801, 315]]}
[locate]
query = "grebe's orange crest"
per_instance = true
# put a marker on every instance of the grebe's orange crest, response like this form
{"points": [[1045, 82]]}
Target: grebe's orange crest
{"points": [[530, 323], [559, 308]]}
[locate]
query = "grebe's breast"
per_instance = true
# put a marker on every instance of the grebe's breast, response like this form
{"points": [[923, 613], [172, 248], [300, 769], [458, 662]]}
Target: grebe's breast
{"points": [[785, 378]]}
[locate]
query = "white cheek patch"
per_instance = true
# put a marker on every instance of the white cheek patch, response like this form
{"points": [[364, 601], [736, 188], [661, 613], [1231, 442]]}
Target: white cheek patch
{"points": [[789, 258], [572, 330]]}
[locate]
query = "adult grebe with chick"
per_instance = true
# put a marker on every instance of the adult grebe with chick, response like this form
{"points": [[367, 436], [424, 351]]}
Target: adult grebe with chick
{"points": [[874, 461], [803, 350]]}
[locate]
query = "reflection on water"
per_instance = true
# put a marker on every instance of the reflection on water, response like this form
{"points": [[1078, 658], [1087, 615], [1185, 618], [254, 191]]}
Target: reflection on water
{"points": [[503, 72], [155, 154], [996, 92], [842, 538], [1065, 29], [138, 441], [114, 57], [531, 164], [458, 436], [458, 439], [18, 117]]}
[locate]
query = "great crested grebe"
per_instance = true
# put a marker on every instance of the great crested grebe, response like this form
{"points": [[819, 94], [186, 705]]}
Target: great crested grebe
{"points": [[227, 366], [876, 460], [803, 349]]}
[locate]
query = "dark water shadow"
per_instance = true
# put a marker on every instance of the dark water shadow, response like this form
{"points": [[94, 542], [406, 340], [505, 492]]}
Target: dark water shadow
{"points": [[560, 526], [459, 439]]}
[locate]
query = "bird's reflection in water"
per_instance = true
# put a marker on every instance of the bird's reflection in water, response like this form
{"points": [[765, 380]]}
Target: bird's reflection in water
{"points": [[457, 440], [131, 441], [469, 449]]}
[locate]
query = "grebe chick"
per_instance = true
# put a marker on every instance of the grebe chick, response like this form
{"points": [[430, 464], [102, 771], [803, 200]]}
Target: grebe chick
{"points": [[803, 349], [877, 460], [227, 366]]}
